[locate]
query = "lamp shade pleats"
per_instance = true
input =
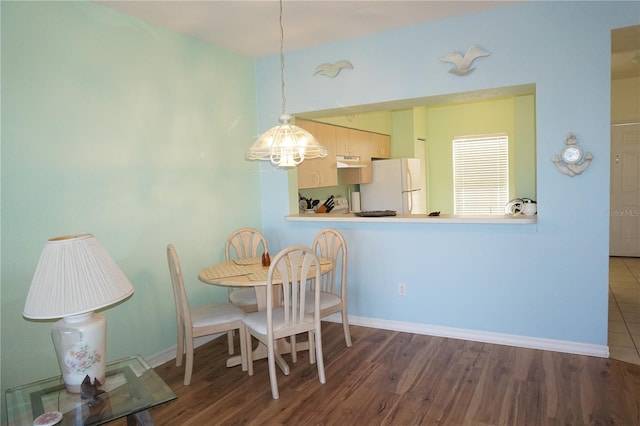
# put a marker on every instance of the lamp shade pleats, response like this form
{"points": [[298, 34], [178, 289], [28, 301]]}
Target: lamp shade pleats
{"points": [[75, 275]]}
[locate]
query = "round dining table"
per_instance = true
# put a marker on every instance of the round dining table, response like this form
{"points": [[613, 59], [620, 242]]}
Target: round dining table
{"points": [[249, 272]]}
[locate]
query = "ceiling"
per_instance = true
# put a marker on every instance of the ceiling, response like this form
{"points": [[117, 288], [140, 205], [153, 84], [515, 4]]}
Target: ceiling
{"points": [[252, 29]]}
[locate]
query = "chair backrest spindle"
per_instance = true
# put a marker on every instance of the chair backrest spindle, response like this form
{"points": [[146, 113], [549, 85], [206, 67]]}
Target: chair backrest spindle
{"points": [[293, 266], [245, 243], [331, 245]]}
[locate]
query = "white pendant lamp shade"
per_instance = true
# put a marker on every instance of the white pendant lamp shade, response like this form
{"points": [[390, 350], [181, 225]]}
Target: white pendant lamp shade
{"points": [[75, 275], [285, 145]]}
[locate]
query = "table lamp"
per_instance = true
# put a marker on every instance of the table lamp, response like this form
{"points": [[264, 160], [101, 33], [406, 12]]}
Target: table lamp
{"points": [[74, 277]]}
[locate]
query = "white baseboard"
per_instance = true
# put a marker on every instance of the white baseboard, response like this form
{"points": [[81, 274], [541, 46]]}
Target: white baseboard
{"points": [[170, 353], [601, 351]]}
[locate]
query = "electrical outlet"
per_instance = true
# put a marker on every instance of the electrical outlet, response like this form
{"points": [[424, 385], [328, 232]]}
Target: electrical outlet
{"points": [[402, 289]]}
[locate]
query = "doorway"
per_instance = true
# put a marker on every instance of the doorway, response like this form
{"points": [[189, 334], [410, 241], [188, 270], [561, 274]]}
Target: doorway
{"points": [[624, 211]]}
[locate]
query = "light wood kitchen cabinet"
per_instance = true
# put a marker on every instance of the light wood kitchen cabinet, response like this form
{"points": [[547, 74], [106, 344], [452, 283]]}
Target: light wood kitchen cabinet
{"points": [[343, 145], [359, 145], [319, 172], [352, 142], [340, 141], [380, 145]]}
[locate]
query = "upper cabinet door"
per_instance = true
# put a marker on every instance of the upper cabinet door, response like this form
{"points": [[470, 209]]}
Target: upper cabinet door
{"points": [[343, 144], [319, 172], [380, 146], [353, 142], [358, 145]]}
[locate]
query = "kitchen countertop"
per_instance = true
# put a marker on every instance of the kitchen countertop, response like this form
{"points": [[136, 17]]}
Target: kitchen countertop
{"points": [[518, 219]]}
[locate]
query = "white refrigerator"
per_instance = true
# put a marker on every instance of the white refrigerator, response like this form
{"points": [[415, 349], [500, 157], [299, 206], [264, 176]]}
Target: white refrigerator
{"points": [[396, 185]]}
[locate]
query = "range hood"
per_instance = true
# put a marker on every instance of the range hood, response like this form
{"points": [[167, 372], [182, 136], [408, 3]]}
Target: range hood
{"points": [[350, 162]]}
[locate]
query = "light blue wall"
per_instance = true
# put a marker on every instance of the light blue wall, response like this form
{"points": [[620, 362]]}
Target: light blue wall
{"points": [[545, 281], [132, 133]]}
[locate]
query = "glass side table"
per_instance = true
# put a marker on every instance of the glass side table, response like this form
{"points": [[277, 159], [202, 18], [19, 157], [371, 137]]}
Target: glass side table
{"points": [[131, 387]]}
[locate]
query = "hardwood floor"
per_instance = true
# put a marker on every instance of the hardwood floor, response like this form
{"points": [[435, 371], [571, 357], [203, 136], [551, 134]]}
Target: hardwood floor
{"points": [[394, 378]]}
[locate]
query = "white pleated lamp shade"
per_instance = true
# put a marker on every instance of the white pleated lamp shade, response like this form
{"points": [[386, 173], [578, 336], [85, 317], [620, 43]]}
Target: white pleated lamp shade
{"points": [[75, 275]]}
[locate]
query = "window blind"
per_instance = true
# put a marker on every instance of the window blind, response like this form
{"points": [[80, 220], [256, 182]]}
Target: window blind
{"points": [[481, 175]]}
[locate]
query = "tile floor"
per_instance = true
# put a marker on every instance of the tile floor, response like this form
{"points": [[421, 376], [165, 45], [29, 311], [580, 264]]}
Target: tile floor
{"points": [[624, 309]]}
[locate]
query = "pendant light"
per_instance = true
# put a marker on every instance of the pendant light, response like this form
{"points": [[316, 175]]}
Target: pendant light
{"points": [[285, 145]]}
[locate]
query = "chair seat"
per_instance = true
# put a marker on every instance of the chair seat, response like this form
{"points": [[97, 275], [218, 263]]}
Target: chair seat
{"points": [[296, 265], [243, 296], [327, 300], [258, 320], [215, 314], [201, 320]]}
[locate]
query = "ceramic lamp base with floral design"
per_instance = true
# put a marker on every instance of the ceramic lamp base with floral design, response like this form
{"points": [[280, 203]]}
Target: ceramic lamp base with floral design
{"points": [[80, 343]]}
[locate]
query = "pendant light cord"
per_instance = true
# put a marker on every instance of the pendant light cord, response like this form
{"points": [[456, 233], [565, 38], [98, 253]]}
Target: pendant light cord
{"points": [[284, 96]]}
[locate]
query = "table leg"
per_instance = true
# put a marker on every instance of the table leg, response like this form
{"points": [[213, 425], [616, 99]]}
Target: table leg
{"points": [[141, 418]]}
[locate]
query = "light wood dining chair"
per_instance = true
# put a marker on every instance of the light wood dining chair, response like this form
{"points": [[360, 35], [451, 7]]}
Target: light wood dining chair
{"points": [[200, 320], [329, 243], [291, 266], [241, 244]]}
